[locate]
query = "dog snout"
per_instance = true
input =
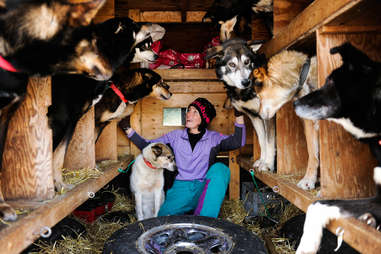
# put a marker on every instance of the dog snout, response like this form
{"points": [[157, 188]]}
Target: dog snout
{"points": [[246, 82], [155, 56]]}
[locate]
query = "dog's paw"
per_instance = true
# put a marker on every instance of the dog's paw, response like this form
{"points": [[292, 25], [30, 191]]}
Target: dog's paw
{"points": [[309, 246], [368, 219], [307, 183], [8, 213], [261, 165], [61, 186]]}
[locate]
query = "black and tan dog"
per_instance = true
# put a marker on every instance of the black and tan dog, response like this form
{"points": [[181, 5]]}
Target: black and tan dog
{"points": [[351, 97], [117, 39], [42, 37], [119, 101]]}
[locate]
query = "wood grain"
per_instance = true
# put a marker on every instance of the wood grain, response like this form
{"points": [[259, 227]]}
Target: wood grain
{"points": [[27, 158], [106, 146]]}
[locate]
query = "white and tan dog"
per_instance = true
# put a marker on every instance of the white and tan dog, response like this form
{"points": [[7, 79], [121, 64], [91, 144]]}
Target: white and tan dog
{"points": [[287, 78], [147, 180]]}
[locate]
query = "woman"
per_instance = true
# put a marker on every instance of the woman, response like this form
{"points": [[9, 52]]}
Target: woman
{"points": [[201, 183]]}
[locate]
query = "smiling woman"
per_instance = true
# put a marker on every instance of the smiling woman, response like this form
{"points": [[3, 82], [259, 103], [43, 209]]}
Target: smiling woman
{"points": [[201, 183]]}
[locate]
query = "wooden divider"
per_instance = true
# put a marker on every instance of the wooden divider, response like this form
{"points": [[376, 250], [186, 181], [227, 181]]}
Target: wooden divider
{"points": [[346, 164], [106, 146], [27, 157]]}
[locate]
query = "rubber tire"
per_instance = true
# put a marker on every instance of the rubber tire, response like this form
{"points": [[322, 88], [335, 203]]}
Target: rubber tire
{"points": [[124, 240]]}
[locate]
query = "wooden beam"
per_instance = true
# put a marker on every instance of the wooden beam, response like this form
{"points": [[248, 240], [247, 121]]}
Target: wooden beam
{"points": [[188, 74], [350, 29], [317, 14], [27, 158], [234, 185], [20, 234], [194, 16]]}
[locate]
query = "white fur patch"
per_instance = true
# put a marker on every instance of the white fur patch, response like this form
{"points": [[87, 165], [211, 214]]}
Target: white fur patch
{"points": [[349, 126], [45, 27], [317, 217], [108, 116], [377, 175]]}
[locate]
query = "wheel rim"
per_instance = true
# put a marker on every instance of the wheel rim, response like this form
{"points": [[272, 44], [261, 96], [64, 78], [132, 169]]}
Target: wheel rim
{"points": [[184, 238]]}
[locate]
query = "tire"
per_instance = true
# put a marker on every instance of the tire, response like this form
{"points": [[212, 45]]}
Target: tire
{"points": [[185, 234]]}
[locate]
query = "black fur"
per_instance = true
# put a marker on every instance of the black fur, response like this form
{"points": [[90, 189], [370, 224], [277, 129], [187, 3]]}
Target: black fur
{"points": [[352, 91]]}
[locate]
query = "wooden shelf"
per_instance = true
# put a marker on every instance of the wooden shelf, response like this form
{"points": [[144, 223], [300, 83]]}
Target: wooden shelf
{"points": [[358, 14], [180, 75], [20, 234], [360, 236]]}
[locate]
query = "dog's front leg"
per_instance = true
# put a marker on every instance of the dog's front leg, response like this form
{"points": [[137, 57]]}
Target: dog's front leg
{"points": [[139, 205], [58, 162], [159, 199], [261, 127], [317, 217], [311, 131]]}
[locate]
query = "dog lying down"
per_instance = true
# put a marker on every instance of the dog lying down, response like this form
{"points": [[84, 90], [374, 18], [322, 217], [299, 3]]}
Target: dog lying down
{"points": [[147, 179]]}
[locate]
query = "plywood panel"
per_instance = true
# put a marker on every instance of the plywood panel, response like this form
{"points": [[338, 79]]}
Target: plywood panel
{"points": [[27, 158], [292, 155], [81, 150], [106, 146], [346, 164]]}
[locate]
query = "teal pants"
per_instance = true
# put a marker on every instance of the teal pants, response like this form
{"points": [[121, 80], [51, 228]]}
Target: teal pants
{"points": [[203, 197]]}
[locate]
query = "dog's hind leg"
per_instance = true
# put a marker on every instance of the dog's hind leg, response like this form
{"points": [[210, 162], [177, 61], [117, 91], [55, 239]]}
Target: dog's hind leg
{"points": [[311, 131], [58, 162]]}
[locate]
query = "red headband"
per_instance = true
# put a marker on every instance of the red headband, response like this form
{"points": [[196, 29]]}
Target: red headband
{"points": [[202, 110]]}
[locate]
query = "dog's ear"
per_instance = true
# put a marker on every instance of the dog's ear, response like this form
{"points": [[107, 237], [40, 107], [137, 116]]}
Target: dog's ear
{"points": [[227, 28], [214, 52], [82, 13], [352, 57], [255, 45], [157, 150]]}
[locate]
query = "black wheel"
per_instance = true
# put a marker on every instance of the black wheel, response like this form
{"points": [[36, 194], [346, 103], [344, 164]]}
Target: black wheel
{"points": [[185, 234]]}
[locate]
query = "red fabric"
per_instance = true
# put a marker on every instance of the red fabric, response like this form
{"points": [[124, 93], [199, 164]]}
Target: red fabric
{"points": [[169, 58]]}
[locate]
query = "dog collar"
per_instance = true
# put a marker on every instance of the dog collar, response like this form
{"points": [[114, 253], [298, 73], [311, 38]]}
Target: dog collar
{"points": [[149, 164], [118, 92], [6, 65]]}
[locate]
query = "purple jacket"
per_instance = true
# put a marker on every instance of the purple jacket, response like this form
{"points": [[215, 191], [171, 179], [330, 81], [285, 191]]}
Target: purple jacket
{"points": [[194, 164]]}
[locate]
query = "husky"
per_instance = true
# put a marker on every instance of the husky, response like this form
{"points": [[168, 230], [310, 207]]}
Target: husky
{"points": [[128, 87], [117, 39], [235, 61], [42, 38], [287, 76], [147, 181]]}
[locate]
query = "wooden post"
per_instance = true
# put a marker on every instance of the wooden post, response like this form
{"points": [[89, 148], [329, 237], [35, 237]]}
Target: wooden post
{"points": [[106, 146], [27, 158], [234, 185], [346, 164], [106, 12], [81, 150], [291, 145]]}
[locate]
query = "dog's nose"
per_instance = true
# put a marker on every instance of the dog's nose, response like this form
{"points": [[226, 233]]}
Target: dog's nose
{"points": [[246, 82], [155, 57]]}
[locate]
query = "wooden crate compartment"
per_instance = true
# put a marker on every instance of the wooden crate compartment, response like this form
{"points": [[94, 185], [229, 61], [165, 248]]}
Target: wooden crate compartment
{"points": [[363, 238], [18, 235]]}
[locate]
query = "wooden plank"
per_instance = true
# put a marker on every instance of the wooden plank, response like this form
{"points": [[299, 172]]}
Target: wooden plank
{"points": [[194, 16], [20, 234], [188, 74], [350, 29], [234, 185], [196, 87], [346, 164], [81, 150], [106, 146], [161, 16], [292, 155], [27, 157], [163, 5], [317, 14], [285, 11]]}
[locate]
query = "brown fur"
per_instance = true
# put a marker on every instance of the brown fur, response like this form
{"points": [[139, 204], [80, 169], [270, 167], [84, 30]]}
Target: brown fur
{"points": [[279, 85]]}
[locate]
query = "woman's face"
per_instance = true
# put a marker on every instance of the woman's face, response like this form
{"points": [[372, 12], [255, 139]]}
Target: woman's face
{"points": [[193, 119]]}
